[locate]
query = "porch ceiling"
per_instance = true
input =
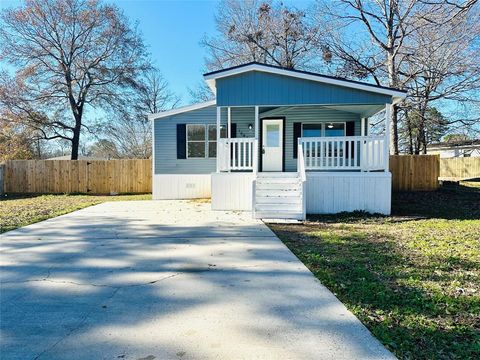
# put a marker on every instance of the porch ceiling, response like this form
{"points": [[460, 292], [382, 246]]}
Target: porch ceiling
{"points": [[362, 110]]}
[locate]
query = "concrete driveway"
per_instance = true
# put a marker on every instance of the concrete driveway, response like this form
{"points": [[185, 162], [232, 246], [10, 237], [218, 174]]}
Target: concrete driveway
{"points": [[166, 280]]}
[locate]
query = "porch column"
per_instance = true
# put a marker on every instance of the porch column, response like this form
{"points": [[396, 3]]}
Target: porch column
{"points": [[362, 130], [229, 122], [388, 115], [219, 111], [257, 132], [367, 128]]}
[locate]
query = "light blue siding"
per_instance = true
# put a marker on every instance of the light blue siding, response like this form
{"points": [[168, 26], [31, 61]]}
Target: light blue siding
{"points": [[165, 129], [165, 143], [259, 88]]}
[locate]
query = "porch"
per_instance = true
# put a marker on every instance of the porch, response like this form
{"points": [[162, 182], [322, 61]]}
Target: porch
{"points": [[285, 162], [251, 140]]}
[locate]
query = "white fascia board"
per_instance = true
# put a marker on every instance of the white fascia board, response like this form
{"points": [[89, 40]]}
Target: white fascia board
{"points": [[210, 79], [181, 110]]}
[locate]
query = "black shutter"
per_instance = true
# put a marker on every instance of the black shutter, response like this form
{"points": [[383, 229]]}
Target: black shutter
{"points": [[233, 130], [349, 131], [181, 141], [297, 132], [350, 128]]}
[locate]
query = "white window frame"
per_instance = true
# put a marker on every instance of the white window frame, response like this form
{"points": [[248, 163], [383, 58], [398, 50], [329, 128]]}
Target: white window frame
{"points": [[207, 152], [204, 141]]}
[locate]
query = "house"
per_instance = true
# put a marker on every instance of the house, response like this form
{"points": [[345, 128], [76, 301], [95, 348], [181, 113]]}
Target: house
{"points": [[451, 149], [278, 142]]}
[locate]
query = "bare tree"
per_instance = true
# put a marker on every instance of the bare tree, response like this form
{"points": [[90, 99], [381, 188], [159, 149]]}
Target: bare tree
{"points": [[263, 31], [70, 55], [441, 66], [127, 132], [200, 93], [381, 30]]}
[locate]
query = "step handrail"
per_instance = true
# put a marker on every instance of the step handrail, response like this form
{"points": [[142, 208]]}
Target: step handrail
{"points": [[303, 176]]}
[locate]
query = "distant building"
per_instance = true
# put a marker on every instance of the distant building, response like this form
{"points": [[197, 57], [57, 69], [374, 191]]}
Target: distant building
{"points": [[451, 149]]}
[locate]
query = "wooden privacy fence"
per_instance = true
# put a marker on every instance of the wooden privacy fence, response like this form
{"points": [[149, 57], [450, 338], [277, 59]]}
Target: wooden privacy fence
{"points": [[78, 176], [409, 173], [455, 169], [414, 172]]}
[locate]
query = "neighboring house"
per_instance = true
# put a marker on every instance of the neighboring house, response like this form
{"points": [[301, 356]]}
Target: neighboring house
{"points": [[464, 148], [278, 142]]}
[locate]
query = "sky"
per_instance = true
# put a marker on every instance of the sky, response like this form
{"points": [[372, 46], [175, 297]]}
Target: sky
{"points": [[173, 30]]}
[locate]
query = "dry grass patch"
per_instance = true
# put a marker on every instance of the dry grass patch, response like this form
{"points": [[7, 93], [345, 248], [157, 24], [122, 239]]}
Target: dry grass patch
{"points": [[21, 210]]}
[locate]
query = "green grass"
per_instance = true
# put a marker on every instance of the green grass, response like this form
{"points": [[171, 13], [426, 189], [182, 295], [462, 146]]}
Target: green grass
{"points": [[20, 210], [413, 278]]}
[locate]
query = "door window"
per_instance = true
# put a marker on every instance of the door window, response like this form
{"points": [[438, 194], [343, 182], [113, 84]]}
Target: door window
{"points": [[273, 135]]}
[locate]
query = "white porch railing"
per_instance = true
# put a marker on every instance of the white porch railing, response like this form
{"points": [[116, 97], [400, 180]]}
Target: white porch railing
{"points": [[237, 154], [364, 153], [303, 178]]}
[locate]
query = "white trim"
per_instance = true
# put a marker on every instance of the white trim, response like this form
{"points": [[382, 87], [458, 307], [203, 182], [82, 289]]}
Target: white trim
{"points": [[388, 115], [229, 122], [153, 150], [218, 123], [207, 153], [210, 79], [181, 110]]}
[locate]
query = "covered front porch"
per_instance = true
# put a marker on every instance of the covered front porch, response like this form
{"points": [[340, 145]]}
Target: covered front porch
{"points": [[287, 138], [287, 161], [296, 142]]}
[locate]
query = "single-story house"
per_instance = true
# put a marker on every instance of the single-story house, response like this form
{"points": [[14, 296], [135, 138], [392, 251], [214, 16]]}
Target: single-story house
{"points": [[453, 149], [278, 142]]}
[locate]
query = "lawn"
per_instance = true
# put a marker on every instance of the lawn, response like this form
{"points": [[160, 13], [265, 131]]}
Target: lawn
{"points": [[18, 211], [412, 278]]}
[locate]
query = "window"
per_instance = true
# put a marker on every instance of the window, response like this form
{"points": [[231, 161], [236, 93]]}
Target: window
{"points": [[323, 129], [335, 129], [273, 135], [328, 129], [212, 139], [202, 140], [195, 141], [312, 130]]}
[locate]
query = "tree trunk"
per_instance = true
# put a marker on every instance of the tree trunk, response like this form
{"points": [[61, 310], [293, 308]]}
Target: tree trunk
{"points": [[410, 135], [394, 131], [392, 82], [76, 137]]}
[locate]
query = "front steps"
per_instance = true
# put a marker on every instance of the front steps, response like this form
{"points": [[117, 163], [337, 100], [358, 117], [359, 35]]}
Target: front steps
{"points": [[279, 196]]}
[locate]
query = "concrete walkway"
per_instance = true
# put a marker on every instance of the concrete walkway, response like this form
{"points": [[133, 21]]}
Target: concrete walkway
{"points": [[166, 280]]}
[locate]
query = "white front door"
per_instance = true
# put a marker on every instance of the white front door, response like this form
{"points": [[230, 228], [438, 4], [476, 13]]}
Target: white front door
{"points": [[272, 145]]}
